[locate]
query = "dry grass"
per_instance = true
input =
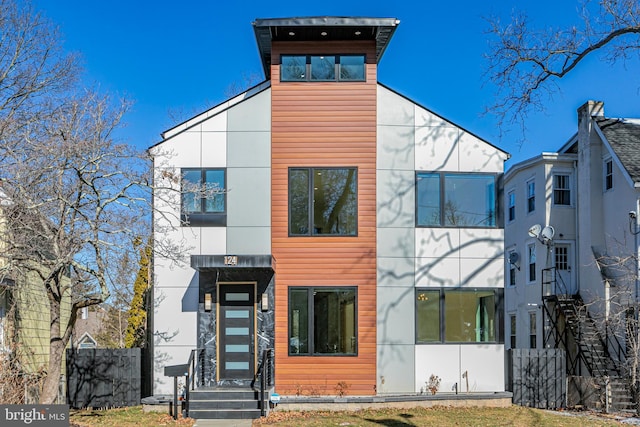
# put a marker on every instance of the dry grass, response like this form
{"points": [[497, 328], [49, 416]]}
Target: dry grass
{"points": [[441, 416], [515, 416]]}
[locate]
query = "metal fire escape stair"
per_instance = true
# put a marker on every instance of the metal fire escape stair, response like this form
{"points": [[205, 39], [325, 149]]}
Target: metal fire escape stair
{"points": [[568, 314]]}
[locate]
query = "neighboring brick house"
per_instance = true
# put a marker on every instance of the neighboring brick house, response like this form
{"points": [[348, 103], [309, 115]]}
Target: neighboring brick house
{"points": [[355, 232]]}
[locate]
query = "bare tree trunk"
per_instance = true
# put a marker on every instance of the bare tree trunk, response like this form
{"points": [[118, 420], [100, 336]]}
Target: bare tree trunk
{"points": [[56, 350]]}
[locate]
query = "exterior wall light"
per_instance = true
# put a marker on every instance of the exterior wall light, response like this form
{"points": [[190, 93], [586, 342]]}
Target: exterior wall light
{"points": [[264, 303], [207, 302]]}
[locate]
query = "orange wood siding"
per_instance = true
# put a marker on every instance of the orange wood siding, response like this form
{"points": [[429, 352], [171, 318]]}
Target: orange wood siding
{"points": [[318, 124]]}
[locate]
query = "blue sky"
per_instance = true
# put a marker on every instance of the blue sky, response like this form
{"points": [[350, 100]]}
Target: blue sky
{"points": [[181, 57]]}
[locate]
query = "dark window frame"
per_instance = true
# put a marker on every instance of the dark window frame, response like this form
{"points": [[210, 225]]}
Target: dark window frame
{"points": [[533, 330], [497, 197], [498, 294], [513, 274], [337, 73], [511, 211], [531, 277], [310, 205], [608, 174], [513, 332], [310, 321], [203, 218], [562, 193], [531, 196]]}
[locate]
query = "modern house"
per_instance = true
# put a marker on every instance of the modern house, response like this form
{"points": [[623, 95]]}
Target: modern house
{"points": [[571, 242], [327, 217]]}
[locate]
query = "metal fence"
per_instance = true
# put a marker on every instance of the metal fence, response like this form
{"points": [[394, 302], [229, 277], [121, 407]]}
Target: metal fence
{"points": [[538, 378], [104, 378]]}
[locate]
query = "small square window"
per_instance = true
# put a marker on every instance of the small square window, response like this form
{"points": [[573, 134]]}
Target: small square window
{"points": [[323, 201], [204, 197], [323, 320]]}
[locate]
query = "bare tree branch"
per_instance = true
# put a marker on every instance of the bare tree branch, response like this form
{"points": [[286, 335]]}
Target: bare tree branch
{"points": [[525, 63]]}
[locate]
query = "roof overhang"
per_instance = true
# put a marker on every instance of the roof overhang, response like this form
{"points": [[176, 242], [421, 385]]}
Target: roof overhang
{"points": [[321, 28]]}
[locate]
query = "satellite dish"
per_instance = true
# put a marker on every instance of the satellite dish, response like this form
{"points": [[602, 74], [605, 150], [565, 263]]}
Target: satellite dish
{"points": [[514, 257], [534, 231], [547, 233]]}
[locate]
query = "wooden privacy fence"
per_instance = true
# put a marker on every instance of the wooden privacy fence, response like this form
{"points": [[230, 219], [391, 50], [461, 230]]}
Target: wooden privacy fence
{"points": [[537, 378], [104, 378]]}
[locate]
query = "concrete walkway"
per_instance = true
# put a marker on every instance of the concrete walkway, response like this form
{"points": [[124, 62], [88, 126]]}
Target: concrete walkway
{"points": [[223, 423]]}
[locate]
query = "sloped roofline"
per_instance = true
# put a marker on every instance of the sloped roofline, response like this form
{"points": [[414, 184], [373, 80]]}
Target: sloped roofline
{"points": [[217, 109], [446, 120]]}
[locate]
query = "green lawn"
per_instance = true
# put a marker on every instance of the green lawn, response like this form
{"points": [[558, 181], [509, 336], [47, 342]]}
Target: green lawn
{"points": [[469, 417]]}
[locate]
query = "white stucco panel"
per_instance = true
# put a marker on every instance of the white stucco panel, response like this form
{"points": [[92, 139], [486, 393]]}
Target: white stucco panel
{"points": [[395, 271], [425, 117], [484, 366], [215, 123], [437, 242], [438, 272], [394, 109], [440, 360], [214, 149], [478, 156], [481, 242], [395, 147], [395, 198], [437, 148], [482, 272], [183, 150], [214, 240]]}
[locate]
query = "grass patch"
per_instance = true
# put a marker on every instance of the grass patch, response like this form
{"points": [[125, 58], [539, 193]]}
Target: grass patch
{"points": [[515, 416], [440, 416], [125, 417]]}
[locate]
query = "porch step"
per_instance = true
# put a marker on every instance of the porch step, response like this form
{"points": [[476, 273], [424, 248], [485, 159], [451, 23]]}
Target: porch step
{"points": [[224, 403]]}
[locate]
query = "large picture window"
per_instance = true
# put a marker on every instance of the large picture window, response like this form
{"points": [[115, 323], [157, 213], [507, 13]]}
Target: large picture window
{"points": [[323, 201], [203, 197], [456, 200], [459, 315], [304, 68], [323, 321]]}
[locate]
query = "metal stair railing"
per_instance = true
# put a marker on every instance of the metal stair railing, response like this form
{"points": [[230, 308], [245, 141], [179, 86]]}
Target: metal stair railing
{"points": [[265, 375]]}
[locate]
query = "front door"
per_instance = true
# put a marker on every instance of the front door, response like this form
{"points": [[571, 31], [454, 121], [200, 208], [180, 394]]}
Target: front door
{"points": [[236, 331]]}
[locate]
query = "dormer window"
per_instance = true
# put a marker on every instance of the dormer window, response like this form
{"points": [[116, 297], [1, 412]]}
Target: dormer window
{"points": [[322, 68]]}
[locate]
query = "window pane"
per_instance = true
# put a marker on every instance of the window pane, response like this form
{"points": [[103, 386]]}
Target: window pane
{"points": [[428, 316], [214, 187], [352, 67], [334, 320], [299, 201], [335, 203], [191, 191], [469, 200], [298, 321], [323, 68], [561, 192], [531, 197], [470, 316], [293, 68], [428, 199]]}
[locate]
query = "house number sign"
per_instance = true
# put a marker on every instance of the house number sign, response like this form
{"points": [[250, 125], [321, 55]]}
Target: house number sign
{"points": [[230, 260]]}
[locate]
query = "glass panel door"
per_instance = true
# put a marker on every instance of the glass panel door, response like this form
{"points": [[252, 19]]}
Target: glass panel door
{"points": [[236, 343]]}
